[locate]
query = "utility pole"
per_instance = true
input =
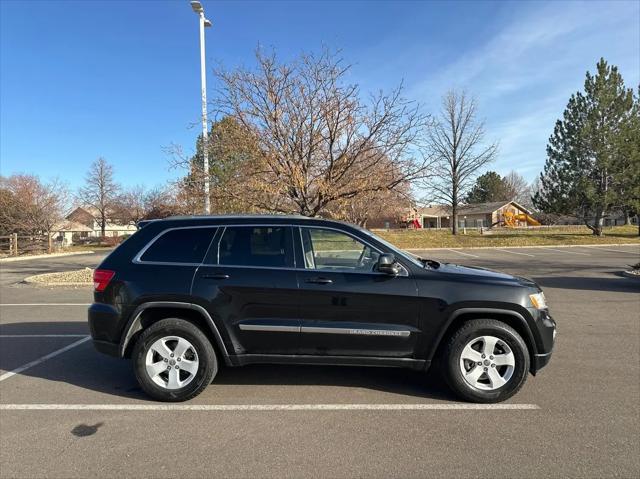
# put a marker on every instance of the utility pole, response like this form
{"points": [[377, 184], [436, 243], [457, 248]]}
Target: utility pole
{"points": [[204, 22]]}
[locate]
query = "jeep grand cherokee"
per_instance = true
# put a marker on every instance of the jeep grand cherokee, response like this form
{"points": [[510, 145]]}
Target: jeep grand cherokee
{"points": [[183, 294]]}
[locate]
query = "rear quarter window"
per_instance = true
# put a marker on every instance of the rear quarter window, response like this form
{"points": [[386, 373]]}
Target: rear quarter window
{"points": [[185, 245]]}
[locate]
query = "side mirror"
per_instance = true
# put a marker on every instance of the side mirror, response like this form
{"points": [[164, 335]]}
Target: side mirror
{"points": [[387, 264]]}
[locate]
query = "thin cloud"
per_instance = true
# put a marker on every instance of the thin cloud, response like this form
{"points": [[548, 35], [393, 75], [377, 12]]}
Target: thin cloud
{"points": [[524, 74]]}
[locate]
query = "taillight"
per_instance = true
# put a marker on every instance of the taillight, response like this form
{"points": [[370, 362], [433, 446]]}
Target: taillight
{"points": [[101, 278]]}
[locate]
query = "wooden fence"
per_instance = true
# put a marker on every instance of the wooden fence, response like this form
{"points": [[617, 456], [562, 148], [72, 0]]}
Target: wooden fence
{"points": [[14, 245]]}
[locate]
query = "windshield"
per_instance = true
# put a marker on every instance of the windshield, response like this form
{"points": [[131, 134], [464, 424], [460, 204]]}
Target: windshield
{"points": [[406, 255]]}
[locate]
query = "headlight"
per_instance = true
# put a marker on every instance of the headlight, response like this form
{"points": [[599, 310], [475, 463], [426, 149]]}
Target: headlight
{"points": [[538, 300]]}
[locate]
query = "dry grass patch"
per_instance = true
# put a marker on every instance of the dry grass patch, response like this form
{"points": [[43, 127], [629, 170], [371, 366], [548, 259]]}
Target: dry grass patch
{"points": [[552, 236]]}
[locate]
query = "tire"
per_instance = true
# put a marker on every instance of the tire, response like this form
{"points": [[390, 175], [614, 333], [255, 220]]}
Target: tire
{"points": [[162, 349], [485, 361]]}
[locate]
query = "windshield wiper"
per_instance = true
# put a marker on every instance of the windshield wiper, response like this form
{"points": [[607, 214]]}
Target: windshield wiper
{"points": [[431, 263]]}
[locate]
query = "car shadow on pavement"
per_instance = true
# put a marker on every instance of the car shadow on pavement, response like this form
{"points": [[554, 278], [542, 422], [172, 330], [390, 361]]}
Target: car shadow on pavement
{"points": [[84, 367], [398, 381], [42, 327], [614, 283]]}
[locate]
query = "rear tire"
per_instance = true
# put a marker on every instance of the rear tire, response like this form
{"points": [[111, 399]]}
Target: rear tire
{"points": [[173, 360], [485, 361]]}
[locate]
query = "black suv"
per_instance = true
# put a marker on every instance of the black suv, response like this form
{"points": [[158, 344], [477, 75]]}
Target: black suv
{"points": [[183, 294]]}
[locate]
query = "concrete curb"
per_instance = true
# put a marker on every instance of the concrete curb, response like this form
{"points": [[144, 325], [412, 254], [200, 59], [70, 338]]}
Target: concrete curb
{"points": [[41, 256], [629, 274], [519, 247], [55, 285], [45, 279], [31, 281]]}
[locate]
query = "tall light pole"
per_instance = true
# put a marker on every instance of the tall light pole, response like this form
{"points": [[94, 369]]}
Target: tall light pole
{"points": [[197, 7]]}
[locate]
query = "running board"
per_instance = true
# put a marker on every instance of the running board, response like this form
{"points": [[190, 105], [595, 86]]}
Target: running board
{"points": [[242, 359]]}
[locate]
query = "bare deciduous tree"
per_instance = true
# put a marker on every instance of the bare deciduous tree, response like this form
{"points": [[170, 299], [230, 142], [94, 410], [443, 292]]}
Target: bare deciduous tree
{"points": [[385, 204], [318, 142], [455, 142], [100, 190], [129, 206], [27, 205], [518, 189], [160, 203]]}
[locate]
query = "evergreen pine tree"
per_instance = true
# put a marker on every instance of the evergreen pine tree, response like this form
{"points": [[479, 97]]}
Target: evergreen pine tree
{"points": [[582, 171]]}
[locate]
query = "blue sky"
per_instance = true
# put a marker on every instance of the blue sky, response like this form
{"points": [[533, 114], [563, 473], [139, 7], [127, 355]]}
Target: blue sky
{"points": [[121, 79]]}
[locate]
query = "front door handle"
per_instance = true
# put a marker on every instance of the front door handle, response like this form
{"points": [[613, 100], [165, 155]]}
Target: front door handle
{"points": [[319, 281], [216, 276]]}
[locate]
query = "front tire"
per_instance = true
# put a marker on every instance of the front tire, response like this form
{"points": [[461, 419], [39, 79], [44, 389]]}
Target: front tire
{"points": [[173, 360], [486, 361]]}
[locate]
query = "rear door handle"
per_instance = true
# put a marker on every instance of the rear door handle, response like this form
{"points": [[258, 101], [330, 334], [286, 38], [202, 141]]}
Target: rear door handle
{"points": [[319, 280], [216, 276]]}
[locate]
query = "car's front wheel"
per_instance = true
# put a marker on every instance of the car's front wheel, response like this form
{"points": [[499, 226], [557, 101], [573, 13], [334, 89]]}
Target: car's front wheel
{"points": [[174, 360], [486, 361]]}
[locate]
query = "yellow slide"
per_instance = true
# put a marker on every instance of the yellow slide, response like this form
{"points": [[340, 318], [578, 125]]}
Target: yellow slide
{"points": [[511, 219]]}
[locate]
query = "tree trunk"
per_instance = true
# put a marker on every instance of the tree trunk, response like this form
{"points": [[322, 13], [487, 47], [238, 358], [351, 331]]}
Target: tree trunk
{"points": [[599, 222], [596, 227], [103, 221], [454, 218]]}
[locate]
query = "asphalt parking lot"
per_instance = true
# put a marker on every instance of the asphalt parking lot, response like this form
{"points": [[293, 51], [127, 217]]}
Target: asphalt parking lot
{"points": [[578, 418]]}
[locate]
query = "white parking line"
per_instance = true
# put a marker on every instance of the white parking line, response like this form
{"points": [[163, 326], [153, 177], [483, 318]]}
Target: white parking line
{"points": [[515, 252], [460, 252], [43, 358], [43, 335], [565, 251], [45, 304], [265, 407], [598, 248]]}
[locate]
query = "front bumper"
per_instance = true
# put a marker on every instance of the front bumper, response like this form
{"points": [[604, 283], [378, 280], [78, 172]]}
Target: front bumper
{"points": [[540, 361], [547, 332]]}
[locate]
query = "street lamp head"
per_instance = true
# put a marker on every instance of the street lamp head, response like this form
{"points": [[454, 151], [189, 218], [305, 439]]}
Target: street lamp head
{"points": [[197, 6], [207, 22]]}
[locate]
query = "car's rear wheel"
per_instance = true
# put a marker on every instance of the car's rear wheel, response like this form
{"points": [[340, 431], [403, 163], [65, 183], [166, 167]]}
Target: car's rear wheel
{"points": [[486, 361], [174, 360]]}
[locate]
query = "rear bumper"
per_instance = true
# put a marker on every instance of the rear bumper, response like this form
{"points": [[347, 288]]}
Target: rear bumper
{"points": [[103, 325]]}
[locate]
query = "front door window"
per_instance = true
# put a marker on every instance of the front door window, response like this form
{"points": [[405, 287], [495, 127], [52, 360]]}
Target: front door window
{"points": [[332, 250]]}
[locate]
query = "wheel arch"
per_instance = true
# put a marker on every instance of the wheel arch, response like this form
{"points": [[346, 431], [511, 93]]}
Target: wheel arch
{"points": [[151, 312], [507, 316]]}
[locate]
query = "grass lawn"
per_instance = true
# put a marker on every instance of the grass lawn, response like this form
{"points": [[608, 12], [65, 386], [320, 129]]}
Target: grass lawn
{"points": [[568, 235]]}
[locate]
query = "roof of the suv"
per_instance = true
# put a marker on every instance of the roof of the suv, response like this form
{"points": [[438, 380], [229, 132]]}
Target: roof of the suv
{"points": [[242, 218], [238, 216]]}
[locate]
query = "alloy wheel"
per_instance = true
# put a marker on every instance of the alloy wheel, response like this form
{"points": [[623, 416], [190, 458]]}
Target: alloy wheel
{"points": [[172, 362], [487, 363]]}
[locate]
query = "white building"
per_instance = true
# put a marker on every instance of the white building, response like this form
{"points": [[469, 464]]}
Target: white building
{"points": [[83, 222]]}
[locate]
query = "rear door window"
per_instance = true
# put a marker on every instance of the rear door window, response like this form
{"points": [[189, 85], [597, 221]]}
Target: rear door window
{"points": [[183, 245], [259, 246]]}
